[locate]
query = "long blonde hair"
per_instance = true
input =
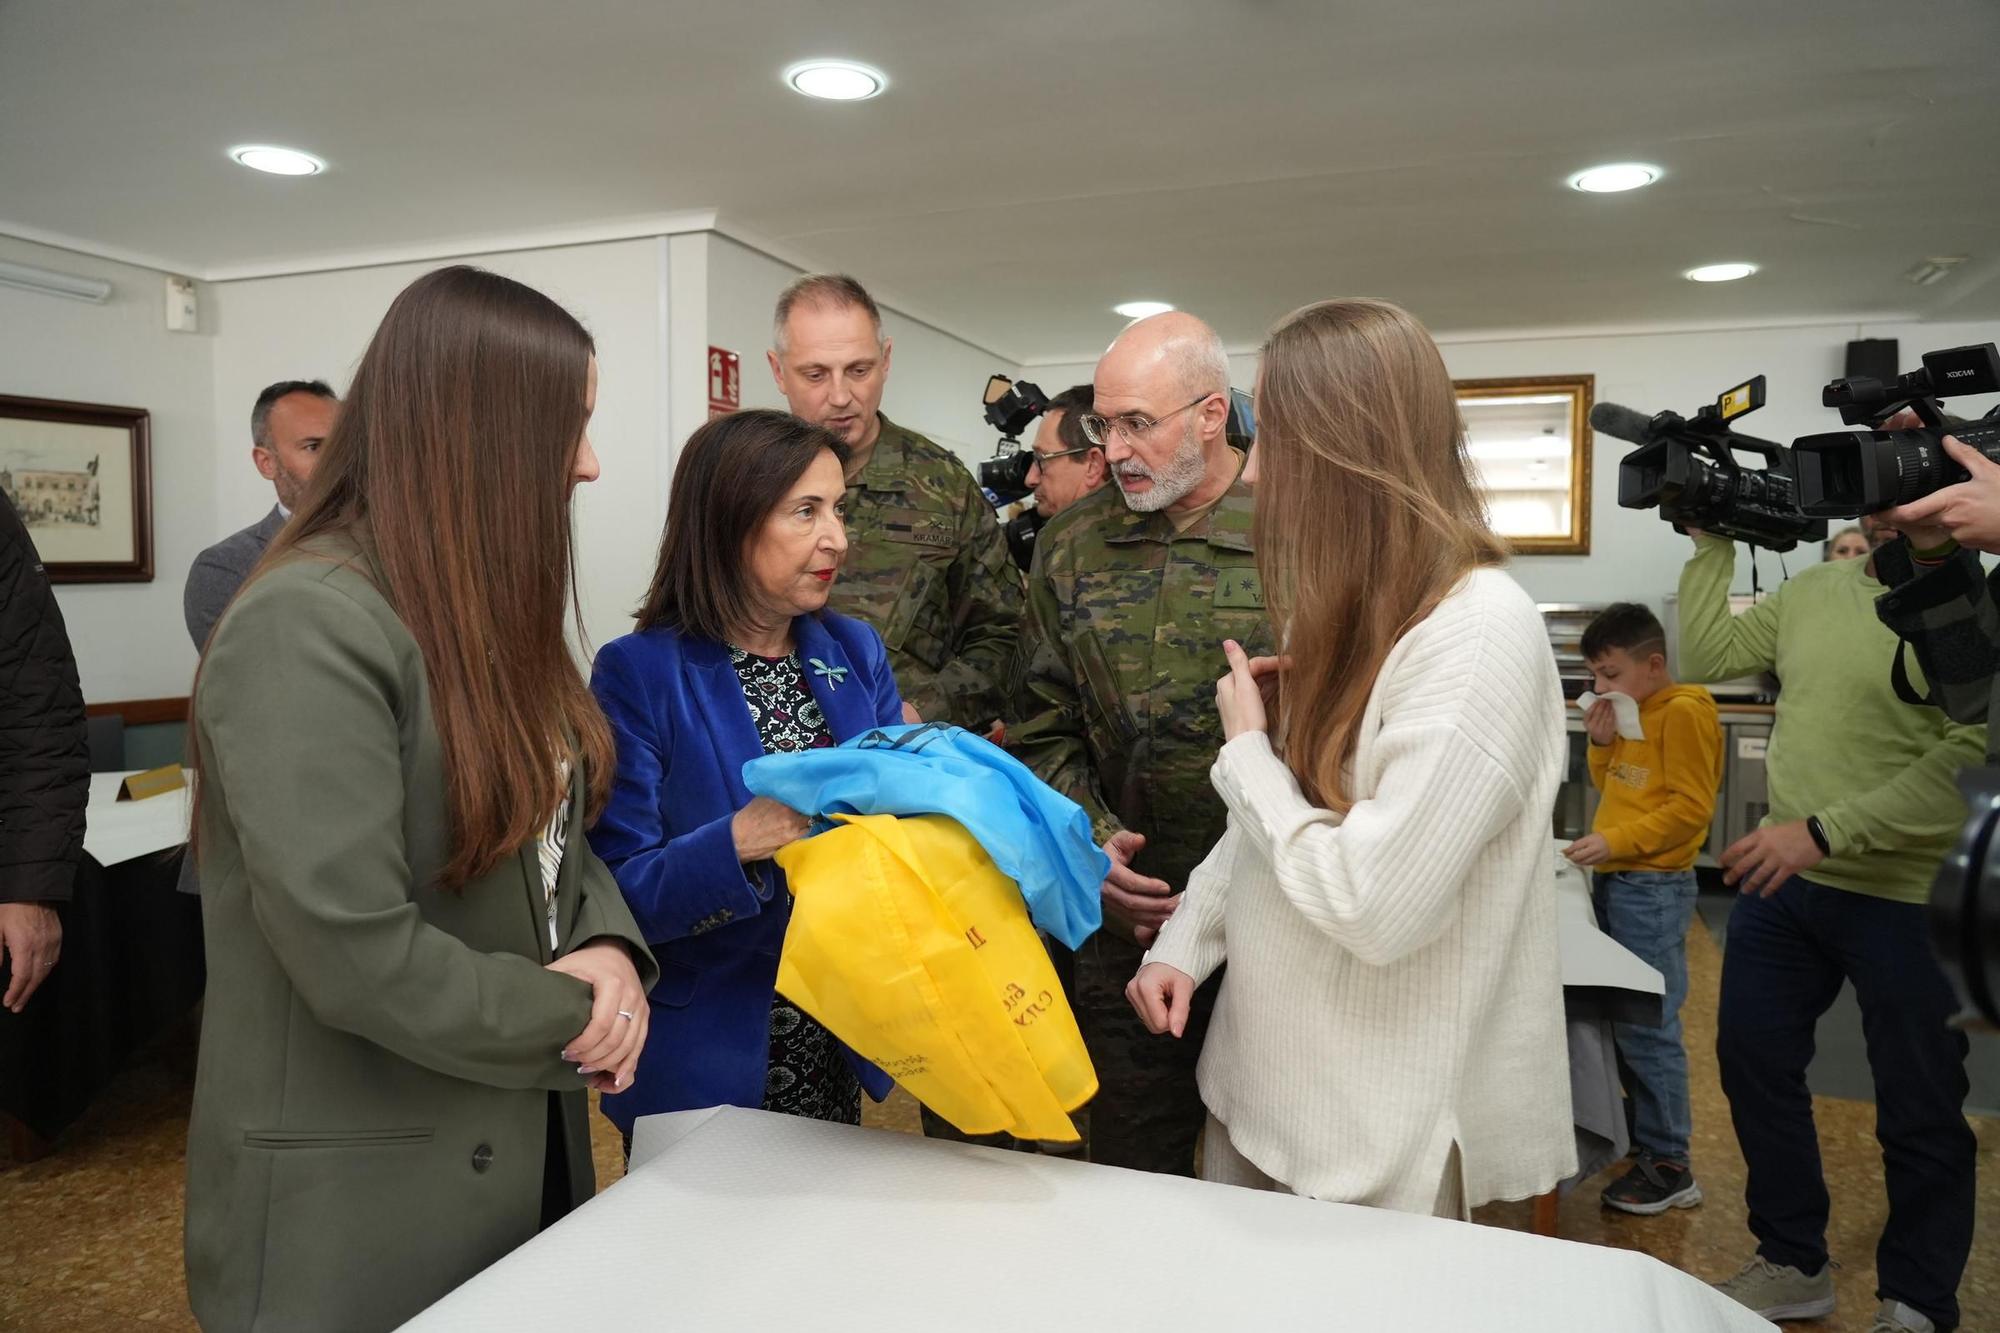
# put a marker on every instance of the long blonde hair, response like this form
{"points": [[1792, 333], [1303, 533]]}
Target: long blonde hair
{"points": [[1366, 513]]}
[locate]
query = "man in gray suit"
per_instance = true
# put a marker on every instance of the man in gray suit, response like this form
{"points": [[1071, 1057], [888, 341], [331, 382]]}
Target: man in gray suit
{"points": [[287, 426]]}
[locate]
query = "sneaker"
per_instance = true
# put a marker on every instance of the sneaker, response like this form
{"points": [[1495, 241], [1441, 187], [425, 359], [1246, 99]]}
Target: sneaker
{"points": [[1777, 1292], [1896, 1317], [1653, 1185]]}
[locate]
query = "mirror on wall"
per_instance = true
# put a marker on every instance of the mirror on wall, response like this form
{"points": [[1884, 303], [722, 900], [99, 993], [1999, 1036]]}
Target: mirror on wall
{"points": [[1529, 440]]}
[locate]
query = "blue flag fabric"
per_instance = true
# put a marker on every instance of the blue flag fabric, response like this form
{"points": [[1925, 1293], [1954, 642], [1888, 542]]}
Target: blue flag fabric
{"points": [[1038, 837]]}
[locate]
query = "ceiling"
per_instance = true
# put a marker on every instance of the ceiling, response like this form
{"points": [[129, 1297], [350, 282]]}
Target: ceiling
{"points": [[1032, 163]]}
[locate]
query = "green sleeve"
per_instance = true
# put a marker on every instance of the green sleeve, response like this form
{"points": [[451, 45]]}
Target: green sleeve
{"points": [[1715, 645], [603, 914], [1919, 805], [300, 702], [1049, 737], [985, 591]]}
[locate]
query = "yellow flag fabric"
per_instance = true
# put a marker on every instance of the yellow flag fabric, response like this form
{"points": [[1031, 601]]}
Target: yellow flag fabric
{"points": [[911, 946]]}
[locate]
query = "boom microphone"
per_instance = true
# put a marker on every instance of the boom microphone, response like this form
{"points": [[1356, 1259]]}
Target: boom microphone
{"points": [[1621, 422]]}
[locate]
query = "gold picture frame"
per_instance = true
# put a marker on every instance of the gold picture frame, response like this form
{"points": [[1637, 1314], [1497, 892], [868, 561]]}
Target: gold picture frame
{"points": [[1529, 440]]}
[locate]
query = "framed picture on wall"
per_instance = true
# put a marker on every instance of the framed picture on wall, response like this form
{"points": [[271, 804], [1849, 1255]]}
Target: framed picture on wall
{"points": [[81, 477], [1529, 440]]}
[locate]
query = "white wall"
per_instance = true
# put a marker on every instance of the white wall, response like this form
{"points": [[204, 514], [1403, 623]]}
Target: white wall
{"points": [[1633, 554], [318, 325], [935, 380], [130, 639]]}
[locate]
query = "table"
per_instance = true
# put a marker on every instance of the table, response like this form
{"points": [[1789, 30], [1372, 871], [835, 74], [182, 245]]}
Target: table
{"points": [[1603, 982], [131, 965], [734, 1219]]}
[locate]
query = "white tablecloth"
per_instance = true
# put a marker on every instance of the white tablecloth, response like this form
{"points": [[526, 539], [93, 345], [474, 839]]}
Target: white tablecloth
{"points": [[116, 830], [736, 1219]]}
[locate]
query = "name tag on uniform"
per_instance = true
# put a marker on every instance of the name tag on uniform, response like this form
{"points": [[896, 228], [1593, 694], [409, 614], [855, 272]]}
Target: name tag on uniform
{"points": [[924, 534], [1239, 589]]}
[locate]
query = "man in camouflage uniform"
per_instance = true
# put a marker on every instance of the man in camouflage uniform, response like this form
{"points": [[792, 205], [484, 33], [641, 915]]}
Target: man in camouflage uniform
{"points": [[1132, 591], [926, 563]]}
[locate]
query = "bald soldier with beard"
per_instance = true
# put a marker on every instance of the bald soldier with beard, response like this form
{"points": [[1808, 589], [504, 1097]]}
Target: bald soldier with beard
{"points": [[1132, 591]]}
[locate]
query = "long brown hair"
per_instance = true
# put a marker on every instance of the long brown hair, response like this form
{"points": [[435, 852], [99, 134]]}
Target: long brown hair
{"points": [[733, 472], [1366, 513], [452, 458]]}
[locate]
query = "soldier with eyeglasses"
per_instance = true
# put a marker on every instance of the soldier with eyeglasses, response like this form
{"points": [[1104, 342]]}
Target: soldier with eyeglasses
{"points": [[1068, 466], [1132, 592]]}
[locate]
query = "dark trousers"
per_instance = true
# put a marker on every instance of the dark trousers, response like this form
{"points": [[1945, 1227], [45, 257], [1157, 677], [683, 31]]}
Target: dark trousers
{"points": [[1147, 1114], [1783, 965]]}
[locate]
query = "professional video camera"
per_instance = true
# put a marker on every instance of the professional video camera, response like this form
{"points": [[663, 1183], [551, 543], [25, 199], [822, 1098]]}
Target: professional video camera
{"points": [[1688, 469], [1965, 900], [1011, 407], [1848, 472]]}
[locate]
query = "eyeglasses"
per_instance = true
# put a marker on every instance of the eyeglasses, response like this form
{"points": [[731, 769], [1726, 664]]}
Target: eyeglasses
{"points": [[1044, 459], [1131, 425]]}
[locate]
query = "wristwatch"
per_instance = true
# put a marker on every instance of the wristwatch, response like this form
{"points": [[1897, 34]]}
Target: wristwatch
{"points": [[1818, 832]]}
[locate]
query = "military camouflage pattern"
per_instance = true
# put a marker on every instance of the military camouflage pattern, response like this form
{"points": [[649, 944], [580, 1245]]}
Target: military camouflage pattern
{"points": [[1147, 1114], [928, 567], [1120, 653]]}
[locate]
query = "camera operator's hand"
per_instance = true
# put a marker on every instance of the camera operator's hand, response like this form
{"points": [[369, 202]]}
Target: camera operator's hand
{"points": [[1764, 859], [1968, 512], [1601, 722]]}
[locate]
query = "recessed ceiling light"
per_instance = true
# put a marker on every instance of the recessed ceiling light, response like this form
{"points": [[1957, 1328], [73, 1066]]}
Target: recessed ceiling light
{"points": [[836, 80], [1140, 309], [1720, 272], [1615, 177], [278, 161]]}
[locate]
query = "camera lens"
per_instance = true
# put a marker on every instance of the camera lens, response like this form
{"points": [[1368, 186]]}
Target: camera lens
{"points": [[1007, 477]]}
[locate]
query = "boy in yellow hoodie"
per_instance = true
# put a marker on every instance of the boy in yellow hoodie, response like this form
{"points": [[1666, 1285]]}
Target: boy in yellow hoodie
{"points": [[1659, 787]]}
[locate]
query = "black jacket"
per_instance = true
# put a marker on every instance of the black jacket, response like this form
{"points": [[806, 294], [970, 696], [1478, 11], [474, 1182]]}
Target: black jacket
{"points": [[44, 753]]}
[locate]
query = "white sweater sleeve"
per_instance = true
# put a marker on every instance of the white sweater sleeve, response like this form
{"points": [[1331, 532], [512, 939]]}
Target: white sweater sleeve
{"points": [[1385, 881], [1193, 939]]}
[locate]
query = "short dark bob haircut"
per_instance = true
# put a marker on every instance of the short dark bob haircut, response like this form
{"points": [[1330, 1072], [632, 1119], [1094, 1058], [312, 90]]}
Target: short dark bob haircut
{"points": [[733, 472]]}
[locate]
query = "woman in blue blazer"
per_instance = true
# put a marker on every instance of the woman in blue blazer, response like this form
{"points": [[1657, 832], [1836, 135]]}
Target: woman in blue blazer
{"points": [[735, 657]]}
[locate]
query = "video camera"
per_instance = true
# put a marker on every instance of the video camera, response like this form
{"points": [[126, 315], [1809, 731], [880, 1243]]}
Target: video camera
{"points": [[1850, 472], [1688, 468], [1965, 900], [1010, 408]]}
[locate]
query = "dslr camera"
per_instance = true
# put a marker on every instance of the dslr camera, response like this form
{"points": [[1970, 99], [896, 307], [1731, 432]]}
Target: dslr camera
{"points": [[1845, 473], [1688, 469]]}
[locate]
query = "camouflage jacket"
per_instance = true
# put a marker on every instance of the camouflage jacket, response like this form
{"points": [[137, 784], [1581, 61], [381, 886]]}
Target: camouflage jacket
{"points": [[928, 567], [1946, 612], [1120, 653]]}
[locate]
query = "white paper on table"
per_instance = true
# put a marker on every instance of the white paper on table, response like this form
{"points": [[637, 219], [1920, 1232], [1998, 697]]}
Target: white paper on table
{"points": [[1624, 706], [1589, 957], [116, 831]]}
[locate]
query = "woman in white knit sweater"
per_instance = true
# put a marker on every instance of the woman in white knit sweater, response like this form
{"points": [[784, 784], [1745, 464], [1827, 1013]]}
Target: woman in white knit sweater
{"points": [[1390, 1029]]}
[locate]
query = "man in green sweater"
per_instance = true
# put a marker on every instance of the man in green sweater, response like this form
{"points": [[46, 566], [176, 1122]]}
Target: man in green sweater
{"points": [[1863, 808]]}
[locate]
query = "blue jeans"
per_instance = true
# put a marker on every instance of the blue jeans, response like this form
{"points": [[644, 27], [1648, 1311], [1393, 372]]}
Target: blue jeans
{"points": [[1785, 960], [1649, 911]]}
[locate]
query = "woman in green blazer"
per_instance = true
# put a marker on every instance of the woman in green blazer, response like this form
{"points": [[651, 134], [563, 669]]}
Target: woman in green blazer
{"points": [[415, 963]]}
